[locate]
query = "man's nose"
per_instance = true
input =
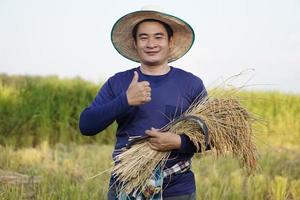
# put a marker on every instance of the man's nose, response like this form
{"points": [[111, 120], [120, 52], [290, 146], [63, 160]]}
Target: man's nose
{"points": [[151, 43]]}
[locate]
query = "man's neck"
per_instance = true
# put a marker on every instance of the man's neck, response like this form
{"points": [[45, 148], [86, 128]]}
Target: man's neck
{"points": [[155, 70]]}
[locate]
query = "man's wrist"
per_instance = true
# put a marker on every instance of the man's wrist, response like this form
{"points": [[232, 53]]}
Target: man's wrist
{"points": [[177, 142]]}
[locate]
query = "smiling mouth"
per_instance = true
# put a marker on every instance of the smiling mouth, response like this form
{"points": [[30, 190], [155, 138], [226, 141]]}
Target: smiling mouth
{"points": [[151, 53]]}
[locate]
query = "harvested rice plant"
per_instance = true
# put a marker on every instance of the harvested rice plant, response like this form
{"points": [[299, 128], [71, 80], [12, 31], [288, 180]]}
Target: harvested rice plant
{"points": [[43, 155]]}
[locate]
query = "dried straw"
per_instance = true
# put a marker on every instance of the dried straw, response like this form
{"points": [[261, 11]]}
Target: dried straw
{"points": [[229, 125], [136, 165]]}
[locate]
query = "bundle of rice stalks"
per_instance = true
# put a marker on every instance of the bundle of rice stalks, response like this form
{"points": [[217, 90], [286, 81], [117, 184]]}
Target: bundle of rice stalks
{"points": [[136, 165], [229, 128]]}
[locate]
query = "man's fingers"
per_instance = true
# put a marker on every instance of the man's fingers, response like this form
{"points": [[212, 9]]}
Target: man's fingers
{"points": [[152, 133], [146, 99], [147, 89], [154, 141], [148, 132], [146, 94], [145, 83], [138, 93], [153, 147]]}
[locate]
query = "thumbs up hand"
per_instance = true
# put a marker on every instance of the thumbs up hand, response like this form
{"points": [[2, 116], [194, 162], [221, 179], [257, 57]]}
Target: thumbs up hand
{"points": [[138, 93]]}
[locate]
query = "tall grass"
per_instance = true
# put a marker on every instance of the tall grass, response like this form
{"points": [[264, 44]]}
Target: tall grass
{"points": [[36, 109], [280, 113]]}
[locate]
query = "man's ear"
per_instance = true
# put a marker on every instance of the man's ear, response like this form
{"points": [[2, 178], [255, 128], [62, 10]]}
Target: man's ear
{"points": [[134, 43], [171, 43]]}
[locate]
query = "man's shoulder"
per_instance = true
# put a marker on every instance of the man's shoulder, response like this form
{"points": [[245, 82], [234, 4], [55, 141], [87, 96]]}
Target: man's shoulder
{"points": [[187, 75], [191, 83]]}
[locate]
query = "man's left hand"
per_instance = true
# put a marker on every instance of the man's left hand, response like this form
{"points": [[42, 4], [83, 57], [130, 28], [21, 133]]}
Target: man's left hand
{"points": [[163, 141]]}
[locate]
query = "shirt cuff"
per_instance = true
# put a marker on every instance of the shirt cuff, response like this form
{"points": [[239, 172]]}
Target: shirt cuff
{"points": [[187, 146]]}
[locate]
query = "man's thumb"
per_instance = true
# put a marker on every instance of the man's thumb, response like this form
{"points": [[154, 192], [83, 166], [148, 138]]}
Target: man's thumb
{"points": [[151, 133], [135, 77]]}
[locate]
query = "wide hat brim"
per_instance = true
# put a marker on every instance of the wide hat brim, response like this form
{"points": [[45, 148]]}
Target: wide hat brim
{"points": [[121, 34]]}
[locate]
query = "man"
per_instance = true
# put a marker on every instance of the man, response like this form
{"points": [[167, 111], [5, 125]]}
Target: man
{"points": [[144, 99]]}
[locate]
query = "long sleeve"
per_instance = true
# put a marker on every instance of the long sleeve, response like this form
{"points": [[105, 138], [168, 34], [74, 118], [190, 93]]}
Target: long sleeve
{"points": [[106, 107]]}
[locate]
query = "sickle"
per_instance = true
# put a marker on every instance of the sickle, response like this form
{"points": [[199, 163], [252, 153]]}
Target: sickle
{"points": [[202, 126]]}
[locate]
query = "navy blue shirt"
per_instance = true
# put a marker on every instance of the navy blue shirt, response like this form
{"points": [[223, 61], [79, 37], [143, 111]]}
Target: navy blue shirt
{"points": [[171, 95]]}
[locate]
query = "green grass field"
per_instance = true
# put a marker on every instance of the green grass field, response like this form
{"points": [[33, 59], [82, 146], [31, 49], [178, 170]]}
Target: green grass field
{"points": [[43, 155]]}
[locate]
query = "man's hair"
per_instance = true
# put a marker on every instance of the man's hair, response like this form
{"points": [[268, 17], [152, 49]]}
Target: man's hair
{"points": [[165, 25]]}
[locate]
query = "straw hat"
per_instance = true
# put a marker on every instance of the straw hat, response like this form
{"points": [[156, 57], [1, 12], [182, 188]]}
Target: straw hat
{"points": [[121, 34]]}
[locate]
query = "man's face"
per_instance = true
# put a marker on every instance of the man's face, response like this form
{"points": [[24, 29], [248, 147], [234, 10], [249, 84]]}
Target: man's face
{"points": [[152, 43]]}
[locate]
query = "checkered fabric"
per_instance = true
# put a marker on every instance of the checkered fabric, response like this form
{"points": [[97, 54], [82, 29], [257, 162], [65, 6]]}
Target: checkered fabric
{"points": [[153, 190], [179, 167]]}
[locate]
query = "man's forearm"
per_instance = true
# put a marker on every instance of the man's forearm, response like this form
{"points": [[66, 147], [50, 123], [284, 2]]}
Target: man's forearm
{"points": [[96, 118]]}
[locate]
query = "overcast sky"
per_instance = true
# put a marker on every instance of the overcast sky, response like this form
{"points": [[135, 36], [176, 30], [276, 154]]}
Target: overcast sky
{"points": [[72, 38]]}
